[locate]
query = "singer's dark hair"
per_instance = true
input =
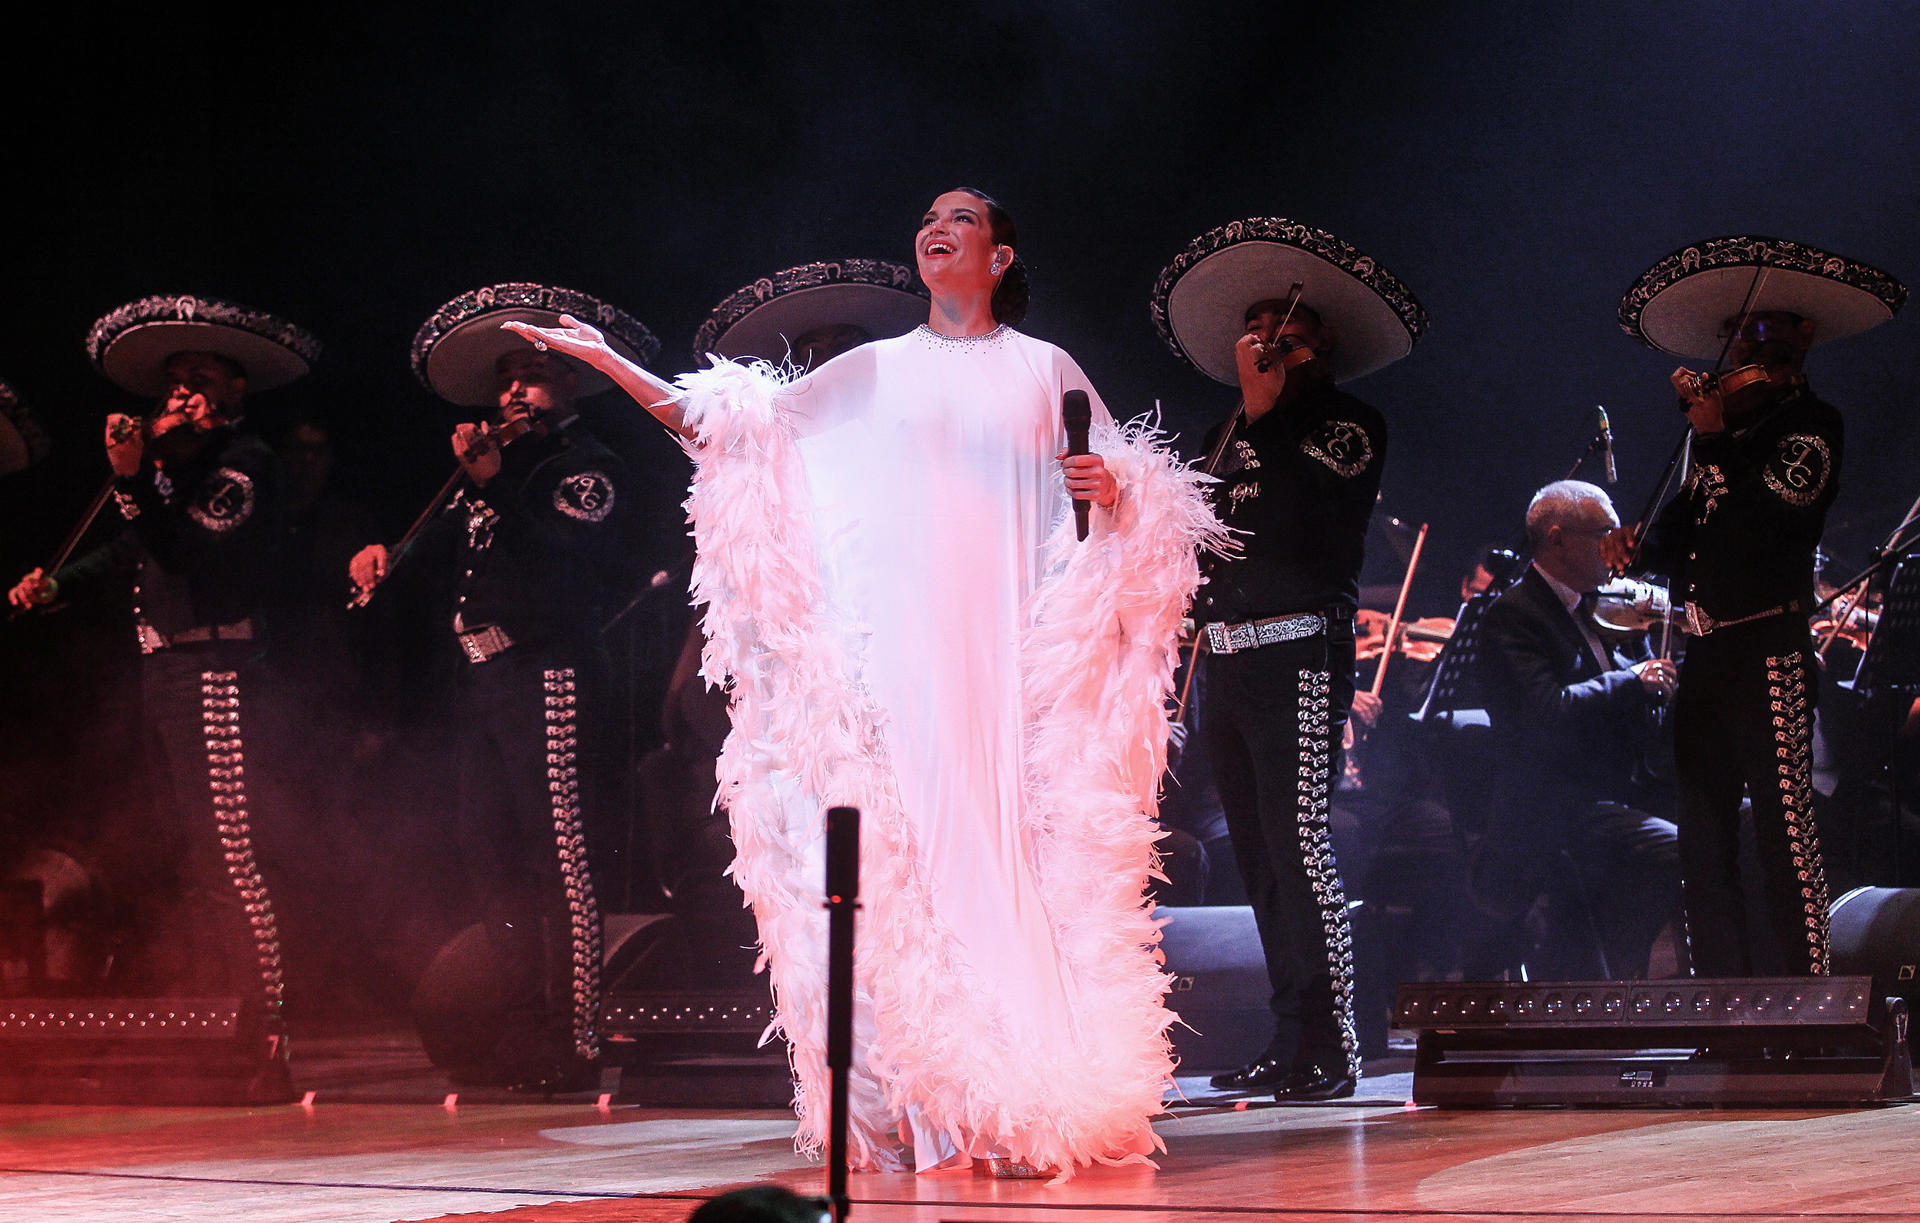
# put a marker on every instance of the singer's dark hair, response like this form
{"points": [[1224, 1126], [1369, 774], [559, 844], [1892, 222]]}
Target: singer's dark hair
{"points": [[1010, 296]]}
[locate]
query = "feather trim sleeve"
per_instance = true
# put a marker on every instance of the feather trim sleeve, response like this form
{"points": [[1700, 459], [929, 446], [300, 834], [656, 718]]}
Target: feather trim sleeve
{"points": [[1098, 671]]}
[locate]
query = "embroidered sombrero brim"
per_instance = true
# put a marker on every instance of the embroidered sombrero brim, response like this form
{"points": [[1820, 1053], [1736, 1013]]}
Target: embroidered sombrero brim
{"points": [[456, 350], [22, 442], [1200, 301], [761, 320], [1683, 303], [131, 345]]}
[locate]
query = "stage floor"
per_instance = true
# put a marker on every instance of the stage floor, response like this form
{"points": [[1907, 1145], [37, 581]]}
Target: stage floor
{"points": [[380, 1143]]}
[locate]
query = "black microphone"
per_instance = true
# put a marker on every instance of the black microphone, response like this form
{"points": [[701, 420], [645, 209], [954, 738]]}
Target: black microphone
{"points": [[1076, 416], [1606, 445]]}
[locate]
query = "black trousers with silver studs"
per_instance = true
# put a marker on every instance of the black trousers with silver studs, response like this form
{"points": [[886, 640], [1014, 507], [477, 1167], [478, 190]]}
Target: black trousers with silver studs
{"points": [[215, 933], [1274, 718], [1743, 727], [523, 847]]}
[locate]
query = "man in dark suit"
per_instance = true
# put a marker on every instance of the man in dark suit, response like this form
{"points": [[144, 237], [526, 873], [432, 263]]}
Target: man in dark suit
{"points": [[1571, 717]]}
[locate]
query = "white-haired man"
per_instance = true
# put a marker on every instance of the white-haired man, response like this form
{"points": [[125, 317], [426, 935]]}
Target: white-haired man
{"points": [[1572, 708]]}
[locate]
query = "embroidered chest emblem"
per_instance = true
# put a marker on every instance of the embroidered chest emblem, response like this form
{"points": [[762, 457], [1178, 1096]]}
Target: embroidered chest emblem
{"points": [[1708, 484], [587, 496], [1241, 458], [225, 501], [1799, 469], [480, 523], [1342, 446]]}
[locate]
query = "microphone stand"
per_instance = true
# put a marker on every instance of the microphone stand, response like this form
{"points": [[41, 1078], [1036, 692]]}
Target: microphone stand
{"points": [[1599, 439], [843, 899], [1890, 550]]}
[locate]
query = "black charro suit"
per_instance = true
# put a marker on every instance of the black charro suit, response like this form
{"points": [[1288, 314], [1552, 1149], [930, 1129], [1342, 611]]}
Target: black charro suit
{"points": [[1738, 541], [1569, 735]]}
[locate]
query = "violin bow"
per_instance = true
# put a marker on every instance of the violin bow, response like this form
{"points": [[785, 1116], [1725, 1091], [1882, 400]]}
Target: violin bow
{"points": [[1399, 609]]}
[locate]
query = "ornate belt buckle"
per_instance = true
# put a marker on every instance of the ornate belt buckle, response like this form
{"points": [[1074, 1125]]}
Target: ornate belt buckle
{"points": [[1219, 639]]}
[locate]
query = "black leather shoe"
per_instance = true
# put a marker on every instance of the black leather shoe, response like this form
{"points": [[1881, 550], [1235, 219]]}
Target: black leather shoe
{"points": [[1260, 1074], [1315, 1083]]}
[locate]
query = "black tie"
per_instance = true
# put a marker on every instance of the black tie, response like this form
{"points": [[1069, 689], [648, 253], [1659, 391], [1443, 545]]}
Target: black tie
{"points": [[1583, 618]]}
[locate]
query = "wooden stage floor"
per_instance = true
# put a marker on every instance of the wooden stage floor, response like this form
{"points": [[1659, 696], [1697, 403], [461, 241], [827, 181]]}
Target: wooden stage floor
{"points": [[380, 1144]]}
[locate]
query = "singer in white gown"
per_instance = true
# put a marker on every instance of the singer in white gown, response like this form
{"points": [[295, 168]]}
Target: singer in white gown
{"points": [[887, 553]]}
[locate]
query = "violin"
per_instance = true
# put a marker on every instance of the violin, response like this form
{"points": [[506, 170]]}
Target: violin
{"points": [[169, 434], [1628, 605], [1851, 621], [1289, 352], [499, 437], [1417, 641], [1740, 389]]}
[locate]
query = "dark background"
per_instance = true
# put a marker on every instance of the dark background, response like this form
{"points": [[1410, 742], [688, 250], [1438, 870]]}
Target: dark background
{"points": [[1516, 164]]}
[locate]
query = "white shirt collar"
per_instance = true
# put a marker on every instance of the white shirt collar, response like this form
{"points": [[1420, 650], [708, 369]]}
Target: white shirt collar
{"points": [[1568, 596]]}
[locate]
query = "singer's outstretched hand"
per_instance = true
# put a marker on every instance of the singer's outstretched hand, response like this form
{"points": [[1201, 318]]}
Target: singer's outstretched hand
{"points": [[586, 343], [576, 339], [1089, 480]]}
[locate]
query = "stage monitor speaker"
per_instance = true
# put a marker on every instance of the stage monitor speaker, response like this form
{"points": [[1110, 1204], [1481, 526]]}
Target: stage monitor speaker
{"points": [[684, 1012], [684, 1015], [1220, 988], [1765, 1041], [1877, 931], [149, 1051]]}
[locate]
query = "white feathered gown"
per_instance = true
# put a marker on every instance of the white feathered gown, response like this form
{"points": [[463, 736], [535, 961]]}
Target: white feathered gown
{"points": [[887, 555]]}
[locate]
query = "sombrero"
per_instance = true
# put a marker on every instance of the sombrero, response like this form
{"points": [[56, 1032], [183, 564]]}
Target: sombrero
{"points": [[131, 345], [763, 318], [1681, 304], [1200, 301], [22, 442], [455, 350]]}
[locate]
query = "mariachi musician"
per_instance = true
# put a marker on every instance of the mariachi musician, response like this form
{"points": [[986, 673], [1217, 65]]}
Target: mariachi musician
{"points": [[532, 546], [1285, 312], [1738, 544], [202, 497]]}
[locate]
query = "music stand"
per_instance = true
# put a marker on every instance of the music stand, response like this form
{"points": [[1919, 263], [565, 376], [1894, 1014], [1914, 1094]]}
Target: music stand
{"points": [[1892, 664], [1456, 674], [1892, 660]]}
